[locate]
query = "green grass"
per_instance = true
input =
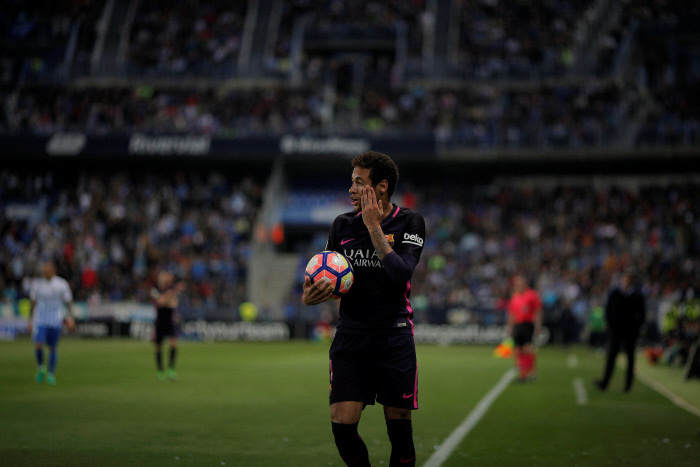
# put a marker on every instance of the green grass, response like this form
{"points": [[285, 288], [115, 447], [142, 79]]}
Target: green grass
{"points": [[251, 404]]}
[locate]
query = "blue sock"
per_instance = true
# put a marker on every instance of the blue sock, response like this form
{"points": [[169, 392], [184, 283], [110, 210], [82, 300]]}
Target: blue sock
{"points": [[39, 356], [53, 356]]}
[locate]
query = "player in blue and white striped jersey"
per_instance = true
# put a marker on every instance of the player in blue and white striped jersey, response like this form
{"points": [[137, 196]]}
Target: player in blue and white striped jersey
{"points": [[47, 294]]}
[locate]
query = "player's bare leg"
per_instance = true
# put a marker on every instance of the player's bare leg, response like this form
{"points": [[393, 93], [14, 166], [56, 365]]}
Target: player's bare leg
{"points": [[400, 431], [344, 419]]}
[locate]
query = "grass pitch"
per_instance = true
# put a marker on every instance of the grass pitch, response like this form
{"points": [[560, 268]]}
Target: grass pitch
{"points": [[255, 404]]}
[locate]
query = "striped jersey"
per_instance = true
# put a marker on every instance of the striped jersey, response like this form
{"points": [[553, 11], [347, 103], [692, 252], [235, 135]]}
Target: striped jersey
{"points": [[48, 295], [374, 304]]}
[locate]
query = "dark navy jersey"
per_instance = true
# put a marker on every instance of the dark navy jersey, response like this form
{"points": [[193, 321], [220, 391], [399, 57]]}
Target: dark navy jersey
{"points": [[375, 304], [163, 313]]}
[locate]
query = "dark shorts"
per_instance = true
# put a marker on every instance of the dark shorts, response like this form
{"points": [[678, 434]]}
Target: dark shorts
{"points": [[368, 368], [522, 333], [164, 328]]}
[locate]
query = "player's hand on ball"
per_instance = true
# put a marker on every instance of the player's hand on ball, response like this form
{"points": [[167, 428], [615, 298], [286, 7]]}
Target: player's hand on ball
{"points": [[317, 292]]}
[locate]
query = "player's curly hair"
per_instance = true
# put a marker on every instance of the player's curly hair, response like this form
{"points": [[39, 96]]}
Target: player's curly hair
{"points": [[380, 166]]}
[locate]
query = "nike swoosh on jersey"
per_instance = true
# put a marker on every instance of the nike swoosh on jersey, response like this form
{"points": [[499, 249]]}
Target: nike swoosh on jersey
{"points": [[407, 397], [407, 460], [343, 242]]}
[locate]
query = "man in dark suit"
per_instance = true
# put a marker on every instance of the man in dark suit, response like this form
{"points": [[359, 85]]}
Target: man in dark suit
{"points": [[624, 313]]}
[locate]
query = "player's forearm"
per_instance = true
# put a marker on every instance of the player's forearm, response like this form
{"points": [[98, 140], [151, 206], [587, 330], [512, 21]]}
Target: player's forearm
{"points": [[381, 245], [399, 268]]}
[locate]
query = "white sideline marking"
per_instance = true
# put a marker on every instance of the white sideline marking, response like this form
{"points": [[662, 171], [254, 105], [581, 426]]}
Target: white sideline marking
{"points": [[680, 402], [572, 361], [472, 419], [580, 390]]}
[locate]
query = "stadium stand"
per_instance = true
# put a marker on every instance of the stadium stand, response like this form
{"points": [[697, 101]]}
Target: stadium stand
{"points": [[478, 80], [361, 92], [570, 239], [194, 37], [109, 233], [562, 116], [42, 41], [514, 39]]}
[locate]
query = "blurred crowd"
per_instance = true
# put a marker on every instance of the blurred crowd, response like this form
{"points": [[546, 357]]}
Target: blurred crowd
{"points": [[103, 111], [680, 330], [192, 37], [340, 17], [516, 39], [35, 35], [484, 116], [572, 241], [343, 91], [676, 122], [109, 234]]}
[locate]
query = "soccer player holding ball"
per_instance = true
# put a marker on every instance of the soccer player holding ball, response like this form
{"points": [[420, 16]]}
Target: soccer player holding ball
{"points": [[373, 355]]}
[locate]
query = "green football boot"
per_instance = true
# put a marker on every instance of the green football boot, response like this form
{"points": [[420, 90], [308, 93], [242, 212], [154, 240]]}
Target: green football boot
{"points": [[51, 379], [41, 375]]}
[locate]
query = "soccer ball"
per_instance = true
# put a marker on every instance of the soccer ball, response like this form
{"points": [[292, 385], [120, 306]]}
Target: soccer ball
{"points": [[334, 267]]}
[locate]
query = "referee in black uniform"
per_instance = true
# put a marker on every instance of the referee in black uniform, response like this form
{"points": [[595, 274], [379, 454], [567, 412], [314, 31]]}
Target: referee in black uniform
{"points": [[373, 355]]}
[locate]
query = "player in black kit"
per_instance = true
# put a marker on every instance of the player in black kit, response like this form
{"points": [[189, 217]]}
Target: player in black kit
{"points": [[373, 354], [165, 297]]}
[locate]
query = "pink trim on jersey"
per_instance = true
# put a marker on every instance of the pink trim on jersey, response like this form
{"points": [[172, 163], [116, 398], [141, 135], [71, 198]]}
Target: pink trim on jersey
{"points": [[330, 366], [408, 306], [415, 390], [359, 213]]}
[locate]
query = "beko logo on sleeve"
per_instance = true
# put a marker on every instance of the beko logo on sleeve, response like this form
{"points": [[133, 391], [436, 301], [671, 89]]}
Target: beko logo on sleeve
{"points": [[413, 239]]}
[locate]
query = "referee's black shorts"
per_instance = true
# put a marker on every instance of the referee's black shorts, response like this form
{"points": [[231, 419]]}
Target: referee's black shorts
{"points": [[522, 333], [164, 328], [366, 368]]}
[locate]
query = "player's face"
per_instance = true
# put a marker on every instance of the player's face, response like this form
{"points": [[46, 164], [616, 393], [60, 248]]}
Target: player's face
{"points": [[48, 271], [625, 281], [519, 284], [165, 279], [360, 179]]}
